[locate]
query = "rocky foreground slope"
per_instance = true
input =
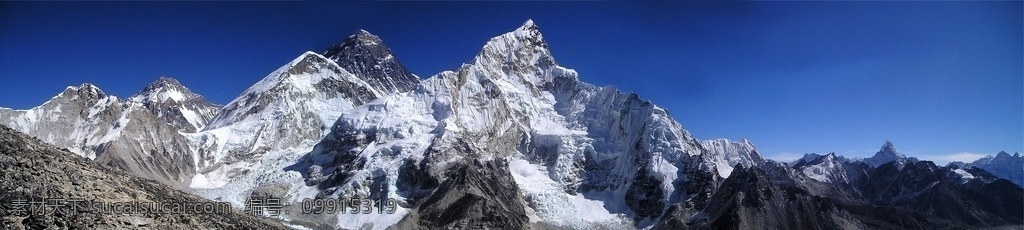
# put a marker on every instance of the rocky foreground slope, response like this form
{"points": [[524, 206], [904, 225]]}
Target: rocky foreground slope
{"points": [[68, 185]]}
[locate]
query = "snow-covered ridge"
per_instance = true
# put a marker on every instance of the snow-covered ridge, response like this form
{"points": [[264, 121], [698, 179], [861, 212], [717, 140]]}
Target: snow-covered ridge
{"points": [[299, 76]]}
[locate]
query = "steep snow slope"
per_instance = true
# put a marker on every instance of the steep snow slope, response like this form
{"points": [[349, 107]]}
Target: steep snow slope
{"points": [[282, 114]]}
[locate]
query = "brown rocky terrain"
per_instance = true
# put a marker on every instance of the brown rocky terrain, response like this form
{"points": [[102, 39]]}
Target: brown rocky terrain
{"points": [[67, 186]]}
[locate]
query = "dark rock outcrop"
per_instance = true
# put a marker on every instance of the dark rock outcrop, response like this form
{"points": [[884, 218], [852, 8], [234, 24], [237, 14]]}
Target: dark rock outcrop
{"points": [[366, 56]]}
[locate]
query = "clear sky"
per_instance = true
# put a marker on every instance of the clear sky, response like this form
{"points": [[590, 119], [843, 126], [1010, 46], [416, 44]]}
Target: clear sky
{"points": [[942, 80]]}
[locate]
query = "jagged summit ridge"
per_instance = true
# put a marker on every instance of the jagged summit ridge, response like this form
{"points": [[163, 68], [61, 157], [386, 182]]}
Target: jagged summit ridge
{"points": [[367, 57]]}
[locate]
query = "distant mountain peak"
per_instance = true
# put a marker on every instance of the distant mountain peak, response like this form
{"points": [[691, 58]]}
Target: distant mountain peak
{"points": [[523, 52], [164, 89], [84, 86], [884, 155], [528, 25], [889, 150], [175, 104], [367, 57], [365, 37], [887, 146], [83, 90], [529, 31]]}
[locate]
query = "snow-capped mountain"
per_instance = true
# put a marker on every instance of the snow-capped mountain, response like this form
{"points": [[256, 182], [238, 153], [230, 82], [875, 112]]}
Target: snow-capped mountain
{"points": [[173, 103], [888, 154], [828, 168], [726, 154], [1003, 165], [79, 118], [366, 56], [139, 135]]}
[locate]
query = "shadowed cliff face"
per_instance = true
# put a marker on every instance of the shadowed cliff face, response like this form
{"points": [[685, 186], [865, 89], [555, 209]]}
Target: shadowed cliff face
{"points": [[33, 171], [476, 195]]}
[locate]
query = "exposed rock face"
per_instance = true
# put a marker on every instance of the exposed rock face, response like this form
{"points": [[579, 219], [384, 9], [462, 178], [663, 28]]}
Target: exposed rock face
{"points": [[366, 56], [33, 170], [477, 195]]}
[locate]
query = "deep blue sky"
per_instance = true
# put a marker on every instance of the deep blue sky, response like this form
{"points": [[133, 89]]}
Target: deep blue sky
{"points": [[940, 79]]}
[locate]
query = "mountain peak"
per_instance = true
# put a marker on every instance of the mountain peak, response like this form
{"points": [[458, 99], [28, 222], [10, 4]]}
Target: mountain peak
{"points": [[84, 89], [175, 104], [528, 25], [888, 146], [367, 57], [1003, 155], [167, 79], [522, 47], [884, 155], [163, 89], [531, 32], [84, 86], [364, 35], [163, 82]]}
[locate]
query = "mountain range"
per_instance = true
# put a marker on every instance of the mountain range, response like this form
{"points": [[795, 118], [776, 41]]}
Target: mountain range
{"points": [[510, 139]]}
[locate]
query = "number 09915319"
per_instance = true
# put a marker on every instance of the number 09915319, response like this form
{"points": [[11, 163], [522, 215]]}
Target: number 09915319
{"points": [[345, 205]]}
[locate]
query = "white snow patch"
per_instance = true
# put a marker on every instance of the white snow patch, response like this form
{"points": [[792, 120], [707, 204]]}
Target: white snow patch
{"points": [[550, 204]]}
